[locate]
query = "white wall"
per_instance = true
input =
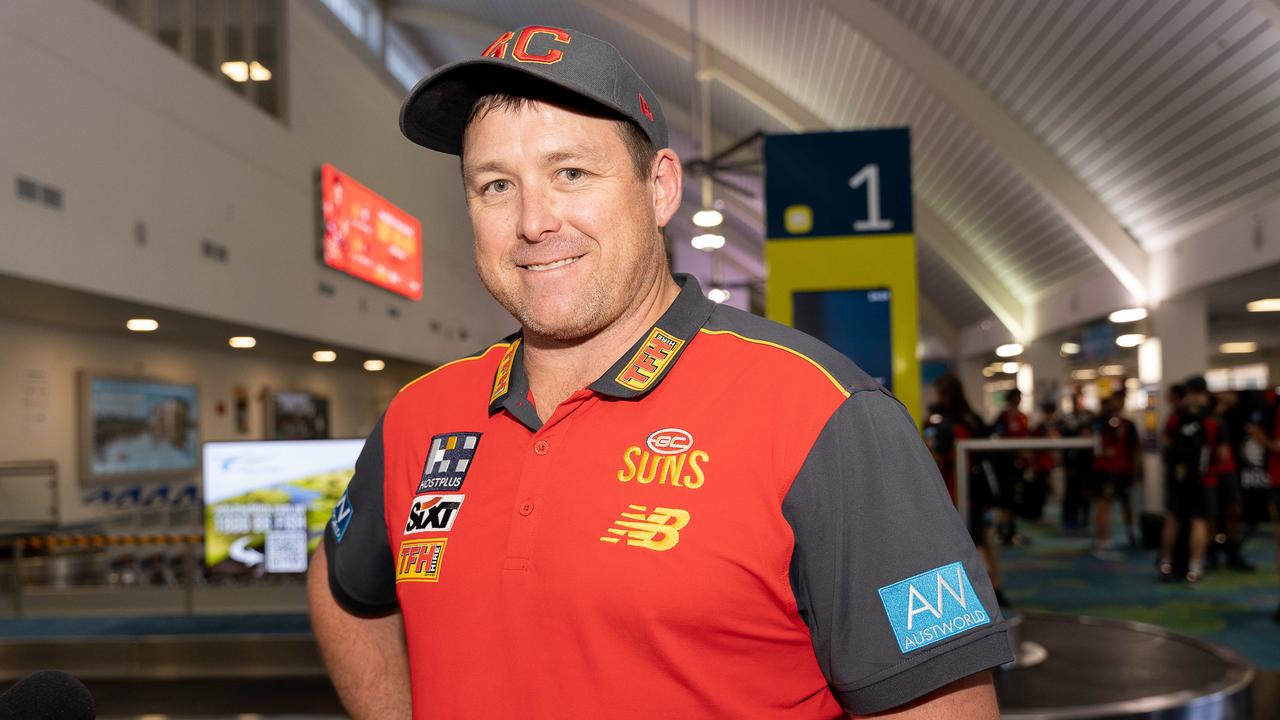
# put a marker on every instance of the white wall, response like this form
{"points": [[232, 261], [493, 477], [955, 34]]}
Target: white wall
{"points": [[38, 385], [1245, 243], [132, 132]]}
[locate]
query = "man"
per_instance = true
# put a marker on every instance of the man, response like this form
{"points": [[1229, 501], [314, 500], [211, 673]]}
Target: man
{"points": [[1075, 465], [1116, 459], [643, 504], [1011, 467], [1264, 431], [1192, 440]]}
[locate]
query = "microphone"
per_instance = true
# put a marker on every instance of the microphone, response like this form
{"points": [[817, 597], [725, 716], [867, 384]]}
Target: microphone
{"points": [[47, 695]]}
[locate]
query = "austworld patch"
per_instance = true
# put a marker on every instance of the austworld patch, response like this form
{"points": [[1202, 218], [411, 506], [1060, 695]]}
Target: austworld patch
{"points": [[933, 606]]}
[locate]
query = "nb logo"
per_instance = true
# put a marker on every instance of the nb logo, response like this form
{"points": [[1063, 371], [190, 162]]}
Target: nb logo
{"points": [[657, 530]]}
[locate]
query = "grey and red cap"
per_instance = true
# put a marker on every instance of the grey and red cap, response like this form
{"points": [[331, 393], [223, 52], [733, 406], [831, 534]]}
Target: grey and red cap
{"points": [[434, 114]]}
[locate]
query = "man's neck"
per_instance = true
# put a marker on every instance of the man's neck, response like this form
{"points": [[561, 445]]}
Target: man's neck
{"points": [[558, 369]]}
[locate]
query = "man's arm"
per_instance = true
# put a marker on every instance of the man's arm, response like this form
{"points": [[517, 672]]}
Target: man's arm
{"points": [[971, 698], [366, 657]]}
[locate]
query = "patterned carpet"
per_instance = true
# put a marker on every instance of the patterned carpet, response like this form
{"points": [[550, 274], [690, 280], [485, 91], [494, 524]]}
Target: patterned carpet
{"points": [[1057, 573]]}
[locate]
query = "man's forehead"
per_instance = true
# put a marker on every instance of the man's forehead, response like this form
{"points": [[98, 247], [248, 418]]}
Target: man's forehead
{"points": [[541, 131]]}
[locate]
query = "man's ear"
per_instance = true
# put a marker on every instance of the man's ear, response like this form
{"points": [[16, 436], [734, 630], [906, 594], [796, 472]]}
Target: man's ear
{"points": [[666, 180]]}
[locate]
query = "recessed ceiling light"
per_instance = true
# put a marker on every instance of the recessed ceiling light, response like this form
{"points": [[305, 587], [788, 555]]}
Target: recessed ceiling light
{"points": [[142, 325], [1264, 305], [1233, 348], [1010, 350], [242, 342], [708, 218], [258, 72], [1009, 367], [1112, 370], [237, 70], [1127, 315], [1070, 348], [1085, 374], [1130, 340], [324, 356], [718, 295], [707, 242], [374, 365]]}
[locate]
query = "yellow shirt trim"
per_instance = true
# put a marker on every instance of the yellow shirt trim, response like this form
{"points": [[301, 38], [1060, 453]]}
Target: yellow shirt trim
{"points": [[481, 356], [797, 353]]}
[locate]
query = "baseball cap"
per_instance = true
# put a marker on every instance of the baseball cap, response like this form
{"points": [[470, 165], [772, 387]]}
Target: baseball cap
{"points": [[434, 114]]}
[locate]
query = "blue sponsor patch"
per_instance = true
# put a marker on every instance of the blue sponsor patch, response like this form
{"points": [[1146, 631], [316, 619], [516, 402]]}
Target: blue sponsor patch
{"points": [[341, 517], [932, 606], [448, 460]]}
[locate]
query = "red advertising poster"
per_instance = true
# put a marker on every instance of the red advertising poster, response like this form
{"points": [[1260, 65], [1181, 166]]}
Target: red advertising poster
{"points": [[369, 238]]}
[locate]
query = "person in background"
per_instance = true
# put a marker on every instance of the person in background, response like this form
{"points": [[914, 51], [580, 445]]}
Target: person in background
{"points": [[1010, 467], [1192, 437], [1264, 429], [1043, 462], [1115, 466], [1075, 466], [1228, 537], [952, 419]]}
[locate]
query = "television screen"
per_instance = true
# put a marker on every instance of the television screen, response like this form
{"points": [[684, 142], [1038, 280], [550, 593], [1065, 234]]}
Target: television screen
{"points": [[855, 322], [138, 427], [266, 502], [369, 238], [296, 415]]}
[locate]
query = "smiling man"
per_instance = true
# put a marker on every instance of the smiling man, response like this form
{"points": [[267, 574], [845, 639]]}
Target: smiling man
{"points": [[642, 504]]}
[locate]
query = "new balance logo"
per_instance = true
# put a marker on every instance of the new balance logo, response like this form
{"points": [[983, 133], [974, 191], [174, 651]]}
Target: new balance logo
{"points": [[657, 530]]}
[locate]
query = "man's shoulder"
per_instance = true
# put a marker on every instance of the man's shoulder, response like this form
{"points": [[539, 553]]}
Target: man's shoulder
{"points": [[790, 352], [462, 374]]}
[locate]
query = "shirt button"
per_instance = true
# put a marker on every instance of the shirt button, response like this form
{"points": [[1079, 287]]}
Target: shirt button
{"points": [[526, 507], [541, 447]]}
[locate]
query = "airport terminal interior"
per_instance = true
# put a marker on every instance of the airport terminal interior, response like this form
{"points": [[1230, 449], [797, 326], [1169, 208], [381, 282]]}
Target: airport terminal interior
{"points": [[1050, 227]]}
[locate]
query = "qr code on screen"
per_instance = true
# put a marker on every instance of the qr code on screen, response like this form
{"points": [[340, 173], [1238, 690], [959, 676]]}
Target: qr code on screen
{"points": [[287, 551]]}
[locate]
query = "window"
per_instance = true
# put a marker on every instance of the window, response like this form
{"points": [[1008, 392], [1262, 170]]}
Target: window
{"points": [[403, 62], [236, 41]]}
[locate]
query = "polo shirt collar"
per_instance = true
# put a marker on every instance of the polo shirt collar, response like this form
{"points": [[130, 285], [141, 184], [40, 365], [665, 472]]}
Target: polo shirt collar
{"points": [[638, 371]]}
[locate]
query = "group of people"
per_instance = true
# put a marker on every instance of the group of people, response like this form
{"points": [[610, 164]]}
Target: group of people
{"points": [[1221, 460]]}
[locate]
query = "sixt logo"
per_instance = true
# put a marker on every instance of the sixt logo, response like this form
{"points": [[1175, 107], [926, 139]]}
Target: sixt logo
{"points": [[520, 53], [647, 364], [419, 560], [658, 530], [668, 455], [932, 607], [433, 512]]}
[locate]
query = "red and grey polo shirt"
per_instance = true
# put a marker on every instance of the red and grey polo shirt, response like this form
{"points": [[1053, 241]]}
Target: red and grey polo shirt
{"points": [[734, 521]]}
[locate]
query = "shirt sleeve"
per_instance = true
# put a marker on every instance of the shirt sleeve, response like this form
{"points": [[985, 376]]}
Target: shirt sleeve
{"points": [[883, 570], [361, 571]]}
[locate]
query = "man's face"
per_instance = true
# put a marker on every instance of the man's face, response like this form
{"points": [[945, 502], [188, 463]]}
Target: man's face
{"points": [[565, 232]]}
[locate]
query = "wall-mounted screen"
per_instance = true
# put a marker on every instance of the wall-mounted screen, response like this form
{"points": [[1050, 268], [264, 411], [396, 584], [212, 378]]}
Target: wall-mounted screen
{"points": [[369, 238], [266, 502], [855, 322], [137, 427], [296, 415]]}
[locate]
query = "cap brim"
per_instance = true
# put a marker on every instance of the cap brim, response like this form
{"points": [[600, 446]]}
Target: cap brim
{"points": [[434, 115]]}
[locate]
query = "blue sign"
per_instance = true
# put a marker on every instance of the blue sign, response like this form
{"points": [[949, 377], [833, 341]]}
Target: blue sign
{"points": [[932, 606], [838, 184], [855, 322]]}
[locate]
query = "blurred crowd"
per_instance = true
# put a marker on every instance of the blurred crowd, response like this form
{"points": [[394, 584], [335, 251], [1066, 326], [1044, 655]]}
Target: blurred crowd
{"points": [[1219, 454]]}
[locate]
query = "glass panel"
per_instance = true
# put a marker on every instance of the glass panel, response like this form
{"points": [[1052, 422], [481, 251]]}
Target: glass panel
{"points": [[235, 60], [203, 37], [266, 33], [169, 23]]}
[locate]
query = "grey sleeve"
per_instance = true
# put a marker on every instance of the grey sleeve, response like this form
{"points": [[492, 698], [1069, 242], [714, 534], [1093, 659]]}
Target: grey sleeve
{"points": [[361, 571], [883, 571]]}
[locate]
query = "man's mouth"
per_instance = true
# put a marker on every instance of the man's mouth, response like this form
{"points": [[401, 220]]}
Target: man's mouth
{"points": [[552, 265]]}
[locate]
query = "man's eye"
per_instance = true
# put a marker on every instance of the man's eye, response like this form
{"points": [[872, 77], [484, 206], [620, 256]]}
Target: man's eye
{"points": [[572, 174], [498, 186]]}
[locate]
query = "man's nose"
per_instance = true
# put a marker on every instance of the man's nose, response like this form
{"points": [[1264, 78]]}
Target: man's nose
{"points": [[539, 219]]}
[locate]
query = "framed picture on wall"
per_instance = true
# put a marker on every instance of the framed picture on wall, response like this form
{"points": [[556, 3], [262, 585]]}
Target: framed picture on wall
{"points": [[296, 415], [137, 428]]}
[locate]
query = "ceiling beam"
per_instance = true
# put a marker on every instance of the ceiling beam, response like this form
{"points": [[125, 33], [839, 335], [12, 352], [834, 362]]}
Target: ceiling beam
{"points": [[1081, 209], [675, 39]]}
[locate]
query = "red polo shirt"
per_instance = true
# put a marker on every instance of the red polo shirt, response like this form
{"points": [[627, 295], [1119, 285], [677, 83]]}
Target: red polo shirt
{"points": [[733, 521]]}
